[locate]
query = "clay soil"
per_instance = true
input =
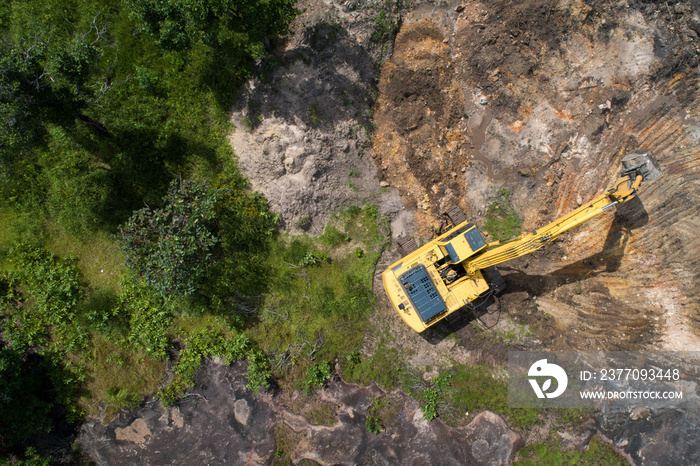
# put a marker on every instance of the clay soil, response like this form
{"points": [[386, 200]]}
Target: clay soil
{"points": [[545, 98]]}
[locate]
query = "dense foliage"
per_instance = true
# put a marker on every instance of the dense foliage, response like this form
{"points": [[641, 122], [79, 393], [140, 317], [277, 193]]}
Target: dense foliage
{"points": [[102, 105], [171, 247], [176, 23]]}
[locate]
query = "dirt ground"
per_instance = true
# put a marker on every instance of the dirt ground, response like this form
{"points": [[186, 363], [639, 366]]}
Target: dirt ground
{"points": [[545, 98]]}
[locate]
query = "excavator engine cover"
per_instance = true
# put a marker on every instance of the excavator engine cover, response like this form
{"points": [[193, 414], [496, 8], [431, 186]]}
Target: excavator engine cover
{"points": [[641, 164]]}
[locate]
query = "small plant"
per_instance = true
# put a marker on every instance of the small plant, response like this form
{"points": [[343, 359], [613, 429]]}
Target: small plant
{"points": [[359, 252], [353, 358], [372, 211], [123, 398], [304, 222], [373, 424], [247, 124], [317, 376], [432, 396], [502, 221], [309, 259], [385, 27], [334, 237], [314, 112]]}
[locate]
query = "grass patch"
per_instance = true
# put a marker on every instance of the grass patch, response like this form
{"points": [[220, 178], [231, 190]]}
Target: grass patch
{"points": [[287, 440], [383, 414], [319, 295], [323, 414], [386, 368], [100, 261], [549, 452], [320, 413], [502, 221], [333, 237], [16, 226], [472, 389], [119, 378]]}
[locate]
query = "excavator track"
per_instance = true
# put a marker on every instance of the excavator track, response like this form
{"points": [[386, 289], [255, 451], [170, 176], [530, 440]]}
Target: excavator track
{"points": [[456, 216], [494, 279], [407, 244]]}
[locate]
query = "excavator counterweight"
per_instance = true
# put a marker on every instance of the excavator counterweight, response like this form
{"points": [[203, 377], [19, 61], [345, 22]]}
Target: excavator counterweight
{"points": [[456, 269]]}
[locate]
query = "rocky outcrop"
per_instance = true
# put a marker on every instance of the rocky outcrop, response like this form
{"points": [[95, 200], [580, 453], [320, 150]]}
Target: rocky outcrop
{"points": [[220, 422], [409, 439]]}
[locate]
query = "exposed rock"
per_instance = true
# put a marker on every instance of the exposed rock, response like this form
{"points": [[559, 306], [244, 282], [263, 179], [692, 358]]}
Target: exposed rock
{"points": [[225, 424], [410, 438], [220, 422], [135, 432]]}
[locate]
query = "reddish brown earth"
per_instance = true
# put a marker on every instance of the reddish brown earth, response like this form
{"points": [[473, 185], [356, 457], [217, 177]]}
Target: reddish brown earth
{"points": [[546, 98]]}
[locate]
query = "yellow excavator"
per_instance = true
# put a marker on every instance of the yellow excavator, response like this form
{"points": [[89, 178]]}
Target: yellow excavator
{"points": [[456, 269]]}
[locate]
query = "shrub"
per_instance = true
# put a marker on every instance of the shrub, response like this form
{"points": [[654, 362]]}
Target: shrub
{"points": [[52, 286], [148, 316], [334, 237], [502, 221], [432, 396], [373, 424], [171, 248], [317, 375]]}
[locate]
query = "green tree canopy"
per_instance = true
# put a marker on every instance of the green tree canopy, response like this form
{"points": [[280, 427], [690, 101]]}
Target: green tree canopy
{"points": [[171, 247], [42, 82], [177, 23]]}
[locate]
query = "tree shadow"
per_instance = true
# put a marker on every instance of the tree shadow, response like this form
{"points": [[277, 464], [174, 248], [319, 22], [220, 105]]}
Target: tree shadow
{"points": [[327, 79]]}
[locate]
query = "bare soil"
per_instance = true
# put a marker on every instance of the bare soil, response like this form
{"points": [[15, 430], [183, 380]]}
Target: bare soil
{"points": [[546, 98]]}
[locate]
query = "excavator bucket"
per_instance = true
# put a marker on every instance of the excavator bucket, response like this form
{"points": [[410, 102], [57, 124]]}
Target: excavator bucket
{"points": [[641, 164]]}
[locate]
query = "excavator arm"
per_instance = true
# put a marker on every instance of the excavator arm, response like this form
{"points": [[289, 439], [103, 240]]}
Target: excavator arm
{"points": [[636, 169], [501, 251]]}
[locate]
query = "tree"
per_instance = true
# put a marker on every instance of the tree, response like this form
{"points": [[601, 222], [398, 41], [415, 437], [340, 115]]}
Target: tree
{"points": [[177, 23], [171, 248], [43, 82]]}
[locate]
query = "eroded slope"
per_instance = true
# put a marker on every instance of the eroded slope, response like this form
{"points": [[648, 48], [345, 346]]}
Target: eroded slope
{"points": [[546, 98]]}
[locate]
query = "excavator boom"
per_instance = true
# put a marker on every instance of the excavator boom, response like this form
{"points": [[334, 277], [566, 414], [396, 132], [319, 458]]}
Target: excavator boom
{"points": [[502, 251]]}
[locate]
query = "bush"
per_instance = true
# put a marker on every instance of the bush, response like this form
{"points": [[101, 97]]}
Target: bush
{"points": [[171, 248], [373, 424], [52, 290], [317, 376], [148, 316]]}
